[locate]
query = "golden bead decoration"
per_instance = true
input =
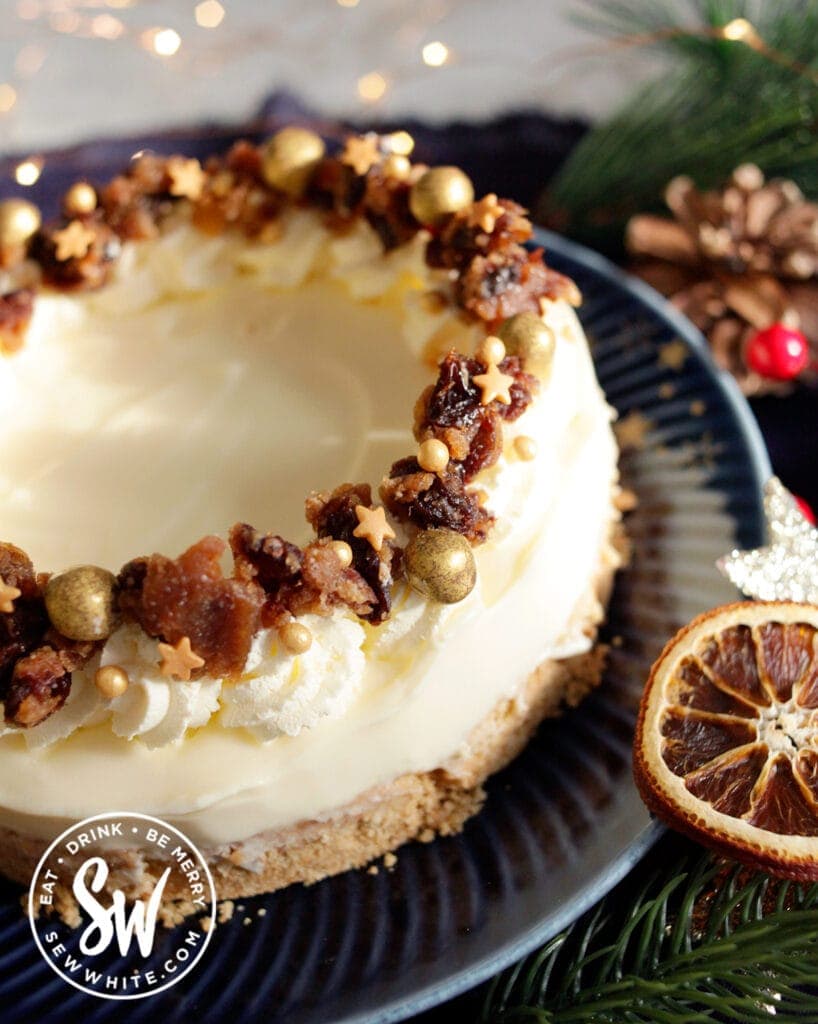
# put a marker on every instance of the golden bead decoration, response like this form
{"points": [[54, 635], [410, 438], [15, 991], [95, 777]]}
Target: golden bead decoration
{"points": [[79, 200], [526, 336], [343, 551], [491, 351], [525, 448], [433, 455], [289, 157], [295, 637], [80, 603], [19, 221], [111, 681], [440, 564], [440, 192], [398, 167]]}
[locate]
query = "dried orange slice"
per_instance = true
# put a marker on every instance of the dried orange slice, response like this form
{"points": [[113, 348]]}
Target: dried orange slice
{"points": [[726, 745]]}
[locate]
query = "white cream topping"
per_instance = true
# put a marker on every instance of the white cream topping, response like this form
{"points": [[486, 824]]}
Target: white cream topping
{"points": [[329, 385], [281, 693]]}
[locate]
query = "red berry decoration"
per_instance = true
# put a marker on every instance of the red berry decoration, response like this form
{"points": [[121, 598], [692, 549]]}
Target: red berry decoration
{"points": [[805, 509], [778, 352]]}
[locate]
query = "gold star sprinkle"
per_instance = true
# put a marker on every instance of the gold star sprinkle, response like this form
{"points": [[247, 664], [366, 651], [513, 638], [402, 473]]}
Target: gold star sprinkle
{"points": [[495, 385], [361, 152], [485, 213], [673, 355], [631, 430], [73, 241], [186, 177], [373, 526], [178, 659], [8, 595]]}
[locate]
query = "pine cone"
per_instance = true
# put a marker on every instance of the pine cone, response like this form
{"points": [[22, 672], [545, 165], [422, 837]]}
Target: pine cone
{"points": [[734, 261]]}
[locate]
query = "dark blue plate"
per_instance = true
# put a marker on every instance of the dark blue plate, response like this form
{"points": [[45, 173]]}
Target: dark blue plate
{"points": [[564, 823]]}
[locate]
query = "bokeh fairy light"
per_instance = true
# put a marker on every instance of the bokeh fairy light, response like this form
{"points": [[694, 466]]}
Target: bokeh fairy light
{"points": [[177, 56]]}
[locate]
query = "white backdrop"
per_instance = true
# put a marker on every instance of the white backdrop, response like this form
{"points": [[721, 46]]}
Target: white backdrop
{"points": [[70, 69]]}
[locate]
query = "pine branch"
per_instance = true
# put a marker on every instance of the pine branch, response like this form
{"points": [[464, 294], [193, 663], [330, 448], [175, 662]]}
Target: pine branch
{"points": [[717, 104], [705, 944]]}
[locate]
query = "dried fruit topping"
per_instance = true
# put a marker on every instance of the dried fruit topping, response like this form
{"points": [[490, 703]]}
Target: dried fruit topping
{"points": [[190, 597], [234, 194], [327, 584], [35, 660], [508, 281], [332, 514], [336, 187], [39, 686], [435, 500], [464, 236], [15, 314], [136, 202], [296, 581], [78, 254], [265, 557], [452, 411], [386, 207], [21, 630]]}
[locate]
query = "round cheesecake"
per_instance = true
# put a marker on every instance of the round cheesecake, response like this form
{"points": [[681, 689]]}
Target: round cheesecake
{"points": [[298, 692]]}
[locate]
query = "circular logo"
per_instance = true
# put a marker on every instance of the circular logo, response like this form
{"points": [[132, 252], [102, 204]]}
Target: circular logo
{"points": [[120, 948]]}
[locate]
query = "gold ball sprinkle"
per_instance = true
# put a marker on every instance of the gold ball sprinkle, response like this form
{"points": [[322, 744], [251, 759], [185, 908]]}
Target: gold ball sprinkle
{"points": [[19, 221], [440, 564], [289, 157], [80, 603], [527, 336], [439, 192], [395, 166], [433, 455], [525, 447], [111, 681], [80, 199], [296, 637], [343, 551], [491, 351]]}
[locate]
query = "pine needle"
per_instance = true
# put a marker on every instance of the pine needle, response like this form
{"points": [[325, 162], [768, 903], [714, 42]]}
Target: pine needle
{"points": [[717, 104], [709, 943]]}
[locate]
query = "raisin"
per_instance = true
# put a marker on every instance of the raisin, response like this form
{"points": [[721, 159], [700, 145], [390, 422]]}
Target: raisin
{"points": [[429, 500]]}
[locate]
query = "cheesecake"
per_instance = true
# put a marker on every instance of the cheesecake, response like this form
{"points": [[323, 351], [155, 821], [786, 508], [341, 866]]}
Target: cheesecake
{"points": [[309, 506]]}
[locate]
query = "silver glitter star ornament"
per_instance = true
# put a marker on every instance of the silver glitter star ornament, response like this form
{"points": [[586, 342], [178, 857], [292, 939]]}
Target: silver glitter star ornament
{"points": [[787, 569]]}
